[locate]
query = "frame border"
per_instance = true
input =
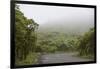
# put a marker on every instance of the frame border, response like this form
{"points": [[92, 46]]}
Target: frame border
{"points": [[12, 32]]}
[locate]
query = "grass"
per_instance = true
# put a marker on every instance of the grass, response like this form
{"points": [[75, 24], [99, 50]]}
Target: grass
{"points": [[89, 56], [31, 59]]}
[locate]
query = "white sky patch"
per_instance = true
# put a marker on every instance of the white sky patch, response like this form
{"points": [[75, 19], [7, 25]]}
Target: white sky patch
{"points": [[43, 14]]}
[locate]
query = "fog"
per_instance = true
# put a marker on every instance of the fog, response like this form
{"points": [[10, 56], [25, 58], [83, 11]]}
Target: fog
{"points": [[59, 18]]}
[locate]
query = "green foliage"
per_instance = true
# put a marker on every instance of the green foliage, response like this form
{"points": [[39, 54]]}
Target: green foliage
{"points": [[30, 59], [52, 42], [25, 36], [87, 44]]}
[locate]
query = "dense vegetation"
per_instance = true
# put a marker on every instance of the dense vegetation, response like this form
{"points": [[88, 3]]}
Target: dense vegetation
{"points": [[25, 37], [55, 42], [86, 44], [30, 43]]}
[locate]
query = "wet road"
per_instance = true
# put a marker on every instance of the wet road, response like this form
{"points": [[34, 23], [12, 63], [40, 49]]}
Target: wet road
{"points": [[61, 58]]}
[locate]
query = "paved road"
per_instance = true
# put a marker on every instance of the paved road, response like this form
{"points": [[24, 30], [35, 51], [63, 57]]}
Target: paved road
{"points": [[60, 58]]}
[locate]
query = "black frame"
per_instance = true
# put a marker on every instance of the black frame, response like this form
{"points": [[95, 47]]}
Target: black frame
{"points": [[12, 30]]}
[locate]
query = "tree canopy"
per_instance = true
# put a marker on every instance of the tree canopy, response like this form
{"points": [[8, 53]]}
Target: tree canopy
{"points": [[25, 37]]}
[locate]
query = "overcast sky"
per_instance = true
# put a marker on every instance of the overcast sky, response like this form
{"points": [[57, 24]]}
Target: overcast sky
{"points": [[43, 14]]}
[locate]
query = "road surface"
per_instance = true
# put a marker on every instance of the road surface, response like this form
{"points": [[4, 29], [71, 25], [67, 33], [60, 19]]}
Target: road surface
{"points": [[60, 58]]}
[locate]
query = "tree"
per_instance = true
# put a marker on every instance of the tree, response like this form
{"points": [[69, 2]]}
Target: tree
{"points": [[87, 43], [25, 36]]}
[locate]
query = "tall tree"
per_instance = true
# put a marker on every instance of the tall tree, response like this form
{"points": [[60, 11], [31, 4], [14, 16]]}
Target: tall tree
{"points": [[25, 36]]}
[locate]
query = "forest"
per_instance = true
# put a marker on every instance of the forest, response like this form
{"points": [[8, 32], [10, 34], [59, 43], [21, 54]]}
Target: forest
{"points": [[30, 42]]}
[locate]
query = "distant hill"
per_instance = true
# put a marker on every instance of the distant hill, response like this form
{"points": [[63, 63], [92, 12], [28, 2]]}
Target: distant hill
{"points": [[65, 27]]}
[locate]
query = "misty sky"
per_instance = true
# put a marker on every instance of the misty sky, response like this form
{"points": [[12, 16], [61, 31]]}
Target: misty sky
{"points": [[43, 14]]}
